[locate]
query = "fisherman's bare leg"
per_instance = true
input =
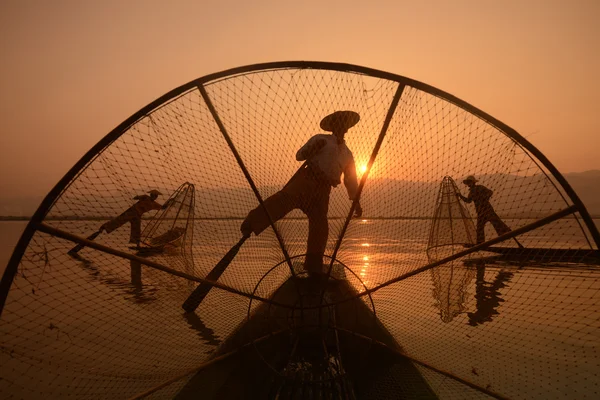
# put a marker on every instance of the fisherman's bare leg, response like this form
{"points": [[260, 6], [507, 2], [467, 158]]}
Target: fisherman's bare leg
{"points": [[318, 230], [499, 225], [119, 221], [501, 228], [278, 205], [481, 220], [257, 220], [136, 231]]}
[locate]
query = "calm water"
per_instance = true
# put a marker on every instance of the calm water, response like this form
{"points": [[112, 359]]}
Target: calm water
{"points": [[10, 231], [525, 331]]}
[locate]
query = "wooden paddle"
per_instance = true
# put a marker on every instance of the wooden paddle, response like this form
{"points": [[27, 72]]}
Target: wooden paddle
{"points": [[196, 297], [77, 248]]}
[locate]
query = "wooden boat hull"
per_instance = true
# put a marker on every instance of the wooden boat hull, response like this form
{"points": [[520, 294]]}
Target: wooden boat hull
{"points": [[278, 353], [547, 255]]}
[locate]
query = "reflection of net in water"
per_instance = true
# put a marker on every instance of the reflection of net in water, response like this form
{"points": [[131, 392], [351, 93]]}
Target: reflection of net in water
{"points": [[450, 290], [66, 334]]}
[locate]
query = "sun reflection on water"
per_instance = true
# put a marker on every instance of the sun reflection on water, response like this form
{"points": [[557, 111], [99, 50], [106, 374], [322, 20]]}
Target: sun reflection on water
{"points": [[365, 265]]}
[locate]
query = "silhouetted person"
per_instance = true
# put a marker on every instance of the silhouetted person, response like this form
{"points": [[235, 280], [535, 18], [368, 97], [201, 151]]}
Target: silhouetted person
{"points": [[133, 215], [480, 196], [327, 158]]}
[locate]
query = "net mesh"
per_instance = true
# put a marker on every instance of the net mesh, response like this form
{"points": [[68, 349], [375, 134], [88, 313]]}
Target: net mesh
{"points": [[514, 320]]}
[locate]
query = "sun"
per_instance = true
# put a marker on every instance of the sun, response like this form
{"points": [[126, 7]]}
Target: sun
{"points": [[363, 168]]}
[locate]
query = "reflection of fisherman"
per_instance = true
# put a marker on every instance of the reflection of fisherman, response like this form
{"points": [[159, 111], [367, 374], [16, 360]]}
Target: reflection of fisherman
{"points": [[133, 215], [487, 296], [327, 158], [480, 195]]}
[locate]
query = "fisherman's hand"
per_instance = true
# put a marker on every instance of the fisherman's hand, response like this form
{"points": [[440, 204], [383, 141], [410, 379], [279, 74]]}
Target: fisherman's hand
{"points": [[358, 211]]}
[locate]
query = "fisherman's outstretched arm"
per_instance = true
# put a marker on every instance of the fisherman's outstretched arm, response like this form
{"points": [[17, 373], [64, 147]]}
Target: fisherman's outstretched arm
{"points": [[167, 204], [465, 199]]}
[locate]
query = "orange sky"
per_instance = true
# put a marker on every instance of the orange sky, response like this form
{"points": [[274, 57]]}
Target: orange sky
{"points": [[73, 70]]}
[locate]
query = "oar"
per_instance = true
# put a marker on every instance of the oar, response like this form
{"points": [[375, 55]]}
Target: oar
{"points": [[194, 299], [76, 249], [519, 244]]}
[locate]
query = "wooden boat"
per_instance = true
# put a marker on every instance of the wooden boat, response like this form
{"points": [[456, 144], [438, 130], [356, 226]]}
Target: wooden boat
{"points": [[339, 352]]}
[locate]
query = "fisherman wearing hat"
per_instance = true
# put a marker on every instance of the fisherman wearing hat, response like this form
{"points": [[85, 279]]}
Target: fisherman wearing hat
{"points": [[480, 195], [327, 158], [133, 215]]}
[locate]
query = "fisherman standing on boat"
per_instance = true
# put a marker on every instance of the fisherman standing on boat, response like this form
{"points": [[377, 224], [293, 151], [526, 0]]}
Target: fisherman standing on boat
{"points": [[480, 195], [327, 158], [133, 215]]}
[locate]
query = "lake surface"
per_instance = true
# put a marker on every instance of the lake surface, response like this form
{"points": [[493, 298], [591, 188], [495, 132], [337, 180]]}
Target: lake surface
{"points": [[524, 331]]}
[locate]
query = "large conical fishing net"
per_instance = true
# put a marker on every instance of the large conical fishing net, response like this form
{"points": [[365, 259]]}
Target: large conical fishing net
{"points": [[108, 323], [451, 225]]}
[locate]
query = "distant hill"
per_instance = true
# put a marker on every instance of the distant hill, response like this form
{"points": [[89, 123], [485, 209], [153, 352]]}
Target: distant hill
{"points": [[593, 173], [19, 206], [586, 185]]}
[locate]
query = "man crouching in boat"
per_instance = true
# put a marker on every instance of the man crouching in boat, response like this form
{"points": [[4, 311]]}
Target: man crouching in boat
{"points": [[327, 157]]}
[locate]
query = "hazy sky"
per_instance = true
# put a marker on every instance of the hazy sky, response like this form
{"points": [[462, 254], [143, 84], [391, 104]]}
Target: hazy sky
{"points": [[73, 70]]}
